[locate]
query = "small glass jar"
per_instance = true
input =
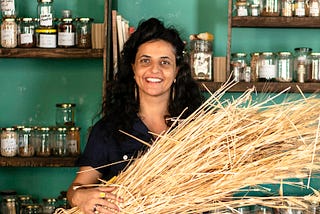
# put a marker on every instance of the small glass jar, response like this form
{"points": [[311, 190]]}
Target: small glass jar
{"points": [[9, 205], [59, 144], [43, 137], [238, 65], [32, 209], [201, 60], [49, 205], [284, 67], [312, 8], [8, 8], [254, 66], [270, 8], [46, 37], [301, 64], [9, 142], [241, 9], [9, 33], [300, 8], [26, 35], [45, 13], [287, 7], [26, 146], [66, 33], [267, 67], [73, 141], [254, 10], [313, 74], [262, 209], [84, 32], [65, 114]]}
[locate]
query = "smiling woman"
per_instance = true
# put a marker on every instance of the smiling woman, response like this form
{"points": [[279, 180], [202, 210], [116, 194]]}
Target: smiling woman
{"points": [[152, 85]]}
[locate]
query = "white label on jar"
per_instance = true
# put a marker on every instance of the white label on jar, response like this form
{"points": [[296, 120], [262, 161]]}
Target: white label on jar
{"points": [[7, 35], [267, 71], [26, 38], [300, 9], [47, 41], [242, 11], [46, 19], [314, 9], [72, 144], [202, 66], [7, 5], [66, 39], [9, 147]]}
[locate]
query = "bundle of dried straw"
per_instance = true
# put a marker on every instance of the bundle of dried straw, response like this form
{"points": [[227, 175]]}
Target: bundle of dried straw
{"points": [[223, 147]]}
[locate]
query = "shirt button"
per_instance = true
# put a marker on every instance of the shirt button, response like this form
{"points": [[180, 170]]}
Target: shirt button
{"points": [[125, 157]]}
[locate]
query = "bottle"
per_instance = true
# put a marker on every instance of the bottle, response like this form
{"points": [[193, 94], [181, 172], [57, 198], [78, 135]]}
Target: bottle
{"points": [[26, 35], [9, 33], [267, 67], [301, 64], [284, 67], [45, 13], [66, 30], [84, 32]]}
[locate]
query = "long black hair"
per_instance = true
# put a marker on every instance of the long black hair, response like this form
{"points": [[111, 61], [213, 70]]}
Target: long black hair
{"points": [[121, 105]]}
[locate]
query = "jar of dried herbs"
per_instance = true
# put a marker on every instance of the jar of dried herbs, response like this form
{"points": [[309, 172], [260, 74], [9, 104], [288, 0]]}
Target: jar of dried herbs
{"points": [[301, 64], [267, 67], [9, 31], [84, 32]]}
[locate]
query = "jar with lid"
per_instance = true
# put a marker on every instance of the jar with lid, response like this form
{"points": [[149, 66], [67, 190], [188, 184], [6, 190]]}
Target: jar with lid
{"points": [[287, 7], [8, 8], [83, 32], [300, 8], [284, 67], [24, 201], [25, 144], [270, 8], [9, 142], [9, 205], [32, 209], [262, 209], [312, 8], [301, 64], [313, 74], [66, 33], [48, 205], [9, 33], [73, 141], [241, 9], [45, 13], [267, 67], [46, 37], [254, 10], [59, 144], [254, 66], [65, 114], [26, 34], [43, 137], [201, 55], [238, 64]]}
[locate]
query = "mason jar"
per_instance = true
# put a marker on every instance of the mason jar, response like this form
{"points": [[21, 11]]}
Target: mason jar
{"points": [[9, 142], [201, 56], [267, 67], [73, 141], [284, 67], [42, 137], [65, 114], [238, 63], [287, 7], [301, 64], [312, 8], [9, 205], [313, 74], [300, 8], [25, 144], [83, 34], [270, 8], [8, 8], [26, 34], [9, 33], [59, 143]]}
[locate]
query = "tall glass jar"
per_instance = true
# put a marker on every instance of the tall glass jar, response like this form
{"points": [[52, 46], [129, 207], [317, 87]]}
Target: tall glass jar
{"points": [[313, 74], [284, 67], [267, 67], [26, 35], [287, 7], [9, 205], [43, 137], [9, 33], [312, 8], [300, 8], [73, 141], [201, 59], [45, 13], [26, 146], [301, 64], [9, 142], [59, 144], [238, 64], [66, 33], [84, 32], [254, 66], [270, 8]]}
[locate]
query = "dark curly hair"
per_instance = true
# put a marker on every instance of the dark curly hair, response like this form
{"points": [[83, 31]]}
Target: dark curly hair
{"points": [[121, 106]]}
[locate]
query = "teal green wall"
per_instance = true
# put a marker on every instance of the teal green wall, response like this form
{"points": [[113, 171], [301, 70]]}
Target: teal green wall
{"points": [[30, 88]]}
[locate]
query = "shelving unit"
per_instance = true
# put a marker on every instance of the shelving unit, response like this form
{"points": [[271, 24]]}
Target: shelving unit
{"points": [[267, 22], [38, 161]]}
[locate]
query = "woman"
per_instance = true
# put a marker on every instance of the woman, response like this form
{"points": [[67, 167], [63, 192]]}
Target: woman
{"points": [[153, 84]]}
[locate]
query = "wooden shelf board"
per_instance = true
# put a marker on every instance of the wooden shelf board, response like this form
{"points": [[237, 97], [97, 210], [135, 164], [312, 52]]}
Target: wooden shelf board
{"points": [[50, 53], [38, 161]]}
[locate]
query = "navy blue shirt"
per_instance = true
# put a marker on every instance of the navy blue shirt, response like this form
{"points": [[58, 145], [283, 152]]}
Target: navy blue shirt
{"points": [[103, 148]]}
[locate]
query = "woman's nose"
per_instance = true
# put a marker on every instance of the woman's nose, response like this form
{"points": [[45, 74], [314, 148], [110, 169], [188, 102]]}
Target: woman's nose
{"points": [[155, 68]]}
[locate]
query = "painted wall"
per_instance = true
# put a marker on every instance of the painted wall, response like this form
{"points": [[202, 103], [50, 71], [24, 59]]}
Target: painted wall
{"points": [[30, 88]]}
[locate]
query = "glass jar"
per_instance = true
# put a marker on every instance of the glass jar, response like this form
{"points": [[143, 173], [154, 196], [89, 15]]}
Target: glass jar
{"points": [[73, 141], [59, 144], [32, 209], [270, 8], [300, 8], [66, 33], [24, 201], [8, 8], [9, 205], [9, 31], [26, 146], [45, 13], [313, 74], [254, 10], [267, 67], [287, 7], [84, 32], [312, 8], [238, 65], [65, 114], [43, 138], [201, 55], [254, 66], [49, 205], [284, 67], [262, 209], [241, 9], [301, 64], [9, 142], [46, 37], [26, 35]]}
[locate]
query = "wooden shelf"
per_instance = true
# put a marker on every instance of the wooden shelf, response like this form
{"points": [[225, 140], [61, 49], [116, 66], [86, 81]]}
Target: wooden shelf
{"points": [[50, 53], [276, 22], [267, 87], [38, 161]]}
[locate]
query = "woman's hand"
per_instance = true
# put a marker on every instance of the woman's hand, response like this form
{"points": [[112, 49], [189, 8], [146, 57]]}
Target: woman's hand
{"points": [[98, 200]]}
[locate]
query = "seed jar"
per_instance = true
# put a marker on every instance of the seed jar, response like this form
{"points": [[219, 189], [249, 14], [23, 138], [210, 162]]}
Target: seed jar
{"points": [[73, 141], [9, 205], [242, 9], [84, 32], [49, 205], [9, 33], [313, 74], [66, 33], [238, 64], [59, 144], [46, 37], [312, 8], [43, 138], [267, 67], [201, 60], [9, 142], [301, 64], [287, 7], [25, 144], [299, 8], [65, 114], [270, 8], [284, 67], [26, 35]]}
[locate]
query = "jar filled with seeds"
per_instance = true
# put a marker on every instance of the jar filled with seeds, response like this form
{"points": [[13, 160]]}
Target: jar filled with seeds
{"points": [[313, 74], [241, 9], [49, 205], [83, 32], [73, 141], [300, 8], [301, 64], [267, 67], [9, 205], [284, 67], [26, 35], [43, 137], [66, 33], [9, 142], [312, 8], [59, 144], [26, 147], [9, 33], [238, 65], [287, 7]]}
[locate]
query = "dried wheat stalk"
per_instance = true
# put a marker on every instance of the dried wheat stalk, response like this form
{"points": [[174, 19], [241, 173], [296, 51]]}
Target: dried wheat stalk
{"points": [[220, 149]]}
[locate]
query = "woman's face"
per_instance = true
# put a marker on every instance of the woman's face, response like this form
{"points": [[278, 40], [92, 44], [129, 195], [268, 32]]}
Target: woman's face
{"points": [[155, 68]]}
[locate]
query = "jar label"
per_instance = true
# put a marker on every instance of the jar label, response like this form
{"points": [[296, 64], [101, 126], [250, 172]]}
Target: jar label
{"points": [[202, 66], [267, 71], [66, 39], [26, 38], [73, 146], [7, 35], [47, 41], [46, 19], [7, 5], [9, 147]]}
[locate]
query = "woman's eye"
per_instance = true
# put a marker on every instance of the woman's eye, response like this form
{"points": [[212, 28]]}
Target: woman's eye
{"points": [[145, 61], [165, 62]]}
